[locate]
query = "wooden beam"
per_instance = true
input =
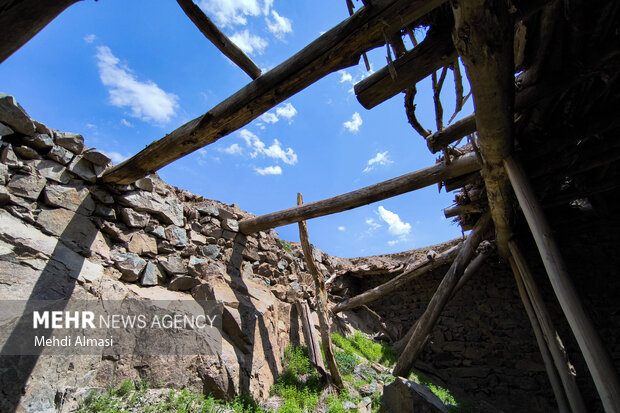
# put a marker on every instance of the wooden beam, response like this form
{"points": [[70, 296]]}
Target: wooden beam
{"points": [[219, 39], [22, 20], [558, 391], [398, 281], [550, 335], [312, 339], [595, 354], [425, 323], [433, 53], [471, 208], [336, 49], [377, 192], [484, 37], [321, 303]]}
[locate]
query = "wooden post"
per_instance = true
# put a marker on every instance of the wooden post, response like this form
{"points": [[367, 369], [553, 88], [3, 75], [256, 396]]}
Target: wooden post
{"points": [[321, 303], [336, 49], [398, 281], [377, 192], [597, 358], [425, 323], [554, 343], [22, 20], [544, 351], [219, 39], [312, 339]]}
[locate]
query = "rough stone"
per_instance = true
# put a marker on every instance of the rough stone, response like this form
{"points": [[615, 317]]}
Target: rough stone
{"points": [[68, 197], [27, 186], [39, 141], [230, 225], [102, 196], [83, 168], [96, 157], [60, 155], [146, 184], [211, 231], [70, 141], [158, 231], [4, 174], [130, 265], [173, 265], [152, 274], [8, 157], [183, 283], [142, 244], [169, 209], [5, 130], [209, 210], [209, 251], [106, 212], [134, 219], [197, 238], [26, 152], [176, 236], [14, 116], [52, 171], [407, 396]]}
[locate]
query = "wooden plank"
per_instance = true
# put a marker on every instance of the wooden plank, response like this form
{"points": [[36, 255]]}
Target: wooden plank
{"points": [[425, 323], [377, 192], [554, 379], [321, 303], [22, 20], [397, 282], [550, 335], [336, 49], [595, 354], [312, 338], [219, 39], [471, 208], [487, 53]]}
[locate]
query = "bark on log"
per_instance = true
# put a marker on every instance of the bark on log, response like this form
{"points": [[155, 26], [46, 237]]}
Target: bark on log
{"points": [[483, 35], [595, 354], [398, 281], [321, 304], [336, 49], [377, 192], [219, 39], [312, 339], [558, 391], [22, 20], [425, 323], [472, 208], [550, 335]]}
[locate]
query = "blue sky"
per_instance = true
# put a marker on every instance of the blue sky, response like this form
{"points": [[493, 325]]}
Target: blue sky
{"points": [[125, 73]]}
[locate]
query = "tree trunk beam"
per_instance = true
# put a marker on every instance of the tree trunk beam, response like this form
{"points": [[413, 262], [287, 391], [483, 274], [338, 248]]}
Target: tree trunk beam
{"points": [[398, 281], [483, 36], [321, 303], [558, 391], [22, 20], [312, 339], [472, 208], [550, 335], [336, 49], [377, 192], [219, 39], [425, 323], [595, 354]]}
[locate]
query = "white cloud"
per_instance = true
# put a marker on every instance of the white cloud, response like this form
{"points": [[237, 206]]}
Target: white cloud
{"points": [[270, 170], [275, 151], [287, 111], [381, 158], [269, 117], [125, 122], [354, 124], [279, 26], [345, 77], [396, 226], [90, 38], [115, 156], [233, 149], [249, 43], [394, 242], [341, 228], [145, 99], [372, 224], [234, 12]]}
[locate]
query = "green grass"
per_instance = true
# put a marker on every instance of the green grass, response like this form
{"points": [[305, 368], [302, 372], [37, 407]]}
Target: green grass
{"points": [[346, 362], [286, 246], [365, 347], [454, 405]]}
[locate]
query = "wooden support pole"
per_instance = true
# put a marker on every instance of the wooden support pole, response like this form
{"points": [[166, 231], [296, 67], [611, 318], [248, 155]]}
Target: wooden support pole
{"points": [[556, 386], [554, 343], [472, 208], [312, 339], [425, 323], [377, 192], [398, 281], [22, 20], [379, 321], [336, 49], [321, 303], [595, 354], [219, 39]]}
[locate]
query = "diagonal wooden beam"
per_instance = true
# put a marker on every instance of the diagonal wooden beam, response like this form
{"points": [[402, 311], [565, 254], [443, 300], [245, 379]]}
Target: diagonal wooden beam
{"points": [[377, 192], [336, 49], [219, 39]]}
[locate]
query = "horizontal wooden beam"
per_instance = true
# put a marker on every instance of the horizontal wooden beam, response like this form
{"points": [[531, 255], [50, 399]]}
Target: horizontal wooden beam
{"points": [[377, 192], [336, 49], [433, 53], [219, 39], [471, 208]]}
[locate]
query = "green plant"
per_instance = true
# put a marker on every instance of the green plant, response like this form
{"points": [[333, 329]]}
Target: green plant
{"points": [[296, 359], [365, 347], [125, 388], [346, 362], [286, 246]]}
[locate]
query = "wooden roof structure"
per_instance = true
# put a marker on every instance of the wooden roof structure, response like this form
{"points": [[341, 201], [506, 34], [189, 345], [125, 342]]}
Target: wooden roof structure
{"points": [[545, 82]]}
